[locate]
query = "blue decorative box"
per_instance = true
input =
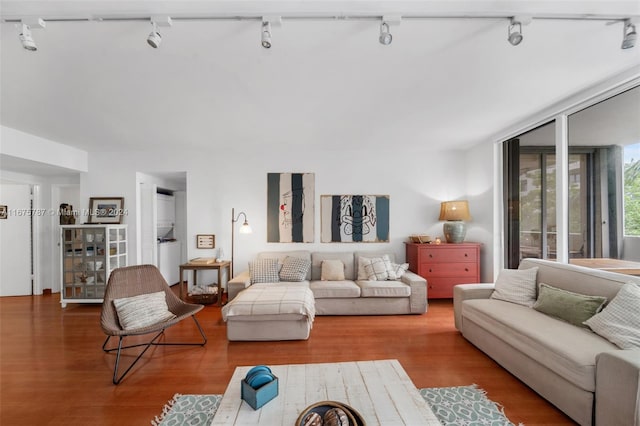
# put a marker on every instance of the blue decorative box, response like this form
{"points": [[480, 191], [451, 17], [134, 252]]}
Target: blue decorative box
{"points": [[256, 398]]}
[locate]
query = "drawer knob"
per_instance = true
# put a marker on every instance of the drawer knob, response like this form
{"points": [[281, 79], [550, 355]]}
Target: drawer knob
{"points": [[466, 255], [430, 255], [466, 269], [430, 270]]}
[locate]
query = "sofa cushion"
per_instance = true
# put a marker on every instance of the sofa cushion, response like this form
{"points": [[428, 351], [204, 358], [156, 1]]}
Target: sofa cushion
{"points": [[332, 270], [516, 286], [344, 257], [563, 348], [334, 289], [264, 271], [294, 269], [619, 321], [383, 289], [568, 306]]}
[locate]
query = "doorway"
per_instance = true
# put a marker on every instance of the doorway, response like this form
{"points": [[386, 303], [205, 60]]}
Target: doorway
{"points": [[17, 240]]}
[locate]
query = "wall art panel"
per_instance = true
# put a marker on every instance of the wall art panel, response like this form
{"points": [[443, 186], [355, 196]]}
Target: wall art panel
{"points": [[290, 207], [354, 218]]}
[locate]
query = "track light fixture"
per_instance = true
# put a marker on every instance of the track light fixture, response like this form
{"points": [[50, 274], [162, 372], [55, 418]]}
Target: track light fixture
{"points": [[266, 35], [25, 32], [26, 39], [154, 38], [629, 35], [515, 35], [385, 36]]}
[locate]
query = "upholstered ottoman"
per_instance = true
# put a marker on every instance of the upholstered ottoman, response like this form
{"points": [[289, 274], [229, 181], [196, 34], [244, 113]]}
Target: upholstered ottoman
{"points": [[270, 312]]}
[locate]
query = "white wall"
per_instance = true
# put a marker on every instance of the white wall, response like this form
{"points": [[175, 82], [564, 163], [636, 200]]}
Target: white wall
{"points": [[34, 148], [416, 182]]}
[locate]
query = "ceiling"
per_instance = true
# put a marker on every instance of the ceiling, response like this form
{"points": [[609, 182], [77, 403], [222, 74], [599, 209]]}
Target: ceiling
{"points": [[326, 84]]}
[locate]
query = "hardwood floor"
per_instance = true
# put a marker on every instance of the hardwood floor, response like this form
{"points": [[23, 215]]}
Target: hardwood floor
{"points": [[53, 371]]}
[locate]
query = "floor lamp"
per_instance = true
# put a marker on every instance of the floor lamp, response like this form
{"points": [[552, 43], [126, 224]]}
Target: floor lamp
{"points": [[244, 229]]}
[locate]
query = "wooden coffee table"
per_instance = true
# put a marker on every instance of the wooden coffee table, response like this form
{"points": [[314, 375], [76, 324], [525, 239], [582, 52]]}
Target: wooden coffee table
{"points": [[381, 391]]}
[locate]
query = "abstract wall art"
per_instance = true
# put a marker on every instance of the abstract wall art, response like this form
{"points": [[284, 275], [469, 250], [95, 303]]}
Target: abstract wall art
{"points": [[290, 207], [354, 218]]}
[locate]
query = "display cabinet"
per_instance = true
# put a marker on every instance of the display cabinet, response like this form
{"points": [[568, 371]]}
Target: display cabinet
{"points": [[89, 254]]}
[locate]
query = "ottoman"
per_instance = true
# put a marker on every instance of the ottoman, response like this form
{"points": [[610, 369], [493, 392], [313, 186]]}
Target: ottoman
{"points": [[264, 312]]}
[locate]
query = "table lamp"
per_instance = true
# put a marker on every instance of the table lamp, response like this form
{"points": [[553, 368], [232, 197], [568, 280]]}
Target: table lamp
{"points": [[455, 213]]}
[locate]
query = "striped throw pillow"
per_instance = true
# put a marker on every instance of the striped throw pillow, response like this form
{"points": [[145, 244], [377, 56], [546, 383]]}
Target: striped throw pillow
{"points": [[619, 321], [294, 269], [142, 311], [264, 271]]}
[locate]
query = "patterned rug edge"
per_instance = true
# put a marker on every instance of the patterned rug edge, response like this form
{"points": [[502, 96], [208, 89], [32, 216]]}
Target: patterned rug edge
{"points": [[172, 414]]}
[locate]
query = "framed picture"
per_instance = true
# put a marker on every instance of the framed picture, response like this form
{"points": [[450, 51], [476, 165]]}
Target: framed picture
{"points": [[205, 241], [3, 212], [290, 207], [354, 218], [106, 210]]}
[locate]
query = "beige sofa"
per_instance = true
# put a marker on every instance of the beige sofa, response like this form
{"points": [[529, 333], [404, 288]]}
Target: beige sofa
{"points": [[351, 296], [584, 375]]}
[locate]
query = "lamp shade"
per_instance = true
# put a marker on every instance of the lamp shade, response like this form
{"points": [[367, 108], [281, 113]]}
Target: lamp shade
{"points": [[455, 210]]}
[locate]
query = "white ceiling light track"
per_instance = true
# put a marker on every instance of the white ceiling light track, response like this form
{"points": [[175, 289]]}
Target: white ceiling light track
{"points": [[515, 23]]}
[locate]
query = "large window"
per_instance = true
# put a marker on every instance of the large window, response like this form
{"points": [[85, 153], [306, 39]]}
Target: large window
{"points": [[632, 190], [603, 191]]}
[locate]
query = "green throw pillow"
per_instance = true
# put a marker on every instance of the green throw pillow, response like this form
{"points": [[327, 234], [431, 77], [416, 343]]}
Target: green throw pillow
{"points": [[571, 307]]}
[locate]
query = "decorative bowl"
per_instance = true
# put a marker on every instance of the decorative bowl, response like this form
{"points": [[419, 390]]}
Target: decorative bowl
{"points": [[322, 407]]}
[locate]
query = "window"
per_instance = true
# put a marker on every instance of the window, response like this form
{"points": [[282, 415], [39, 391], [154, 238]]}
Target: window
{"points": [[632, 190]]}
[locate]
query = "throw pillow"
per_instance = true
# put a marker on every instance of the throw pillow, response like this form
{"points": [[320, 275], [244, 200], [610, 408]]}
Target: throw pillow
{"points": [[294, 269], [516, 286], [264, 271], [376, 269], [566, 305], [363, 261], [332, 270], [619, 321], [143, 310], [397, 270]]}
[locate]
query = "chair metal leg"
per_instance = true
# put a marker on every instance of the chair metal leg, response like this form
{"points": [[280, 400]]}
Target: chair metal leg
{"points": [[152, 342]]}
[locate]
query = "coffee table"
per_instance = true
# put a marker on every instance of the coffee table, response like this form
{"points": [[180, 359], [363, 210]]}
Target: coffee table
{"points": [[381, 391]]}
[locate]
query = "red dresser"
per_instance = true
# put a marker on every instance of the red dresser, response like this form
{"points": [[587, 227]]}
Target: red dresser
{"points": [[444, 265]]}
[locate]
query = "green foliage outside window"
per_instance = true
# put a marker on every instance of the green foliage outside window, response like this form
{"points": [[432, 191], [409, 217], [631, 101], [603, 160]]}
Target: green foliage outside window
{"points": [[632, 198]]}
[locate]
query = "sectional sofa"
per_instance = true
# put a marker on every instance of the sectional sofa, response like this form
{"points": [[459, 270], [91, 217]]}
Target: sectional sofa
{"points": [[586, 376], [264, 307], [351, 296]]}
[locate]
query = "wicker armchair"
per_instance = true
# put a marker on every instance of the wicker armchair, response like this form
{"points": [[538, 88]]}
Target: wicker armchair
{"points": [[133, 281]]}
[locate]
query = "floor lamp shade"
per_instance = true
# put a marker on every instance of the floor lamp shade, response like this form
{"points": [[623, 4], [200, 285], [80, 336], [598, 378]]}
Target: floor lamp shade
{"points": [[455, 213]]}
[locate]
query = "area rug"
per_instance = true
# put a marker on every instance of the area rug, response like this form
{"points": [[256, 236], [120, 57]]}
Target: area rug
{"points": [[457, 406]]}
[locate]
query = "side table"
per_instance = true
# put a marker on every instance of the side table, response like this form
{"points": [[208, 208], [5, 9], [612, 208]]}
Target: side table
{"points": [[195, 267]]}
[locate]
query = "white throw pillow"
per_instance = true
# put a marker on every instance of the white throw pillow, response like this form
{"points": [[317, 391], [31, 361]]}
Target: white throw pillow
{"points": [[397, 270], [143, 310], [332, 270], [264, 271], [377, 269], [619, 321], [363, 261], [516, 286]]}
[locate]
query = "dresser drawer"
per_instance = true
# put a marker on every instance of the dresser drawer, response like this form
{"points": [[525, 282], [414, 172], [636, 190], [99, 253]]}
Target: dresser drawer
{"points": [[469, 270], [433, 254], [442, 288]]}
